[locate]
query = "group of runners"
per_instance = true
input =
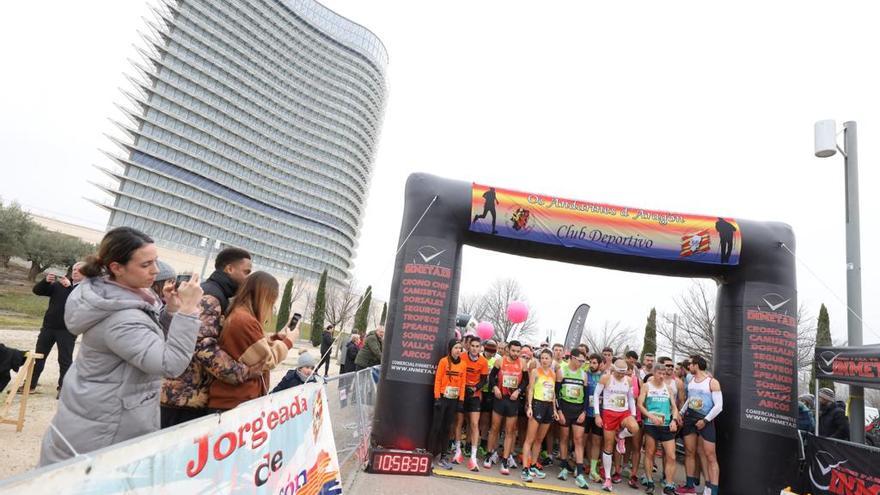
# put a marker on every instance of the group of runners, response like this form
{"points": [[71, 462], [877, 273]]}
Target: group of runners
{"points": [[591, 413]]}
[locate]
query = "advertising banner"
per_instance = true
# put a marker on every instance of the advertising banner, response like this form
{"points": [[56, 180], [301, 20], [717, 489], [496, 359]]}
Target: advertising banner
{"points": [[420, 325], [851, 365], [840, 468], [603, 227], [576, 327], [279, 444], [769, 360]]}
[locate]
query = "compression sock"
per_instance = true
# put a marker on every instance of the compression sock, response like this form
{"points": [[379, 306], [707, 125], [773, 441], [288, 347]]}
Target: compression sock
{"points": [[606, 464], [712, 488], [579, 469], [593, 463], [458, 446], [691, 482], [473, 451]]}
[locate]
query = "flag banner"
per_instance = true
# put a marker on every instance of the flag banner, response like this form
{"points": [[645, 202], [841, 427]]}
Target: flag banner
{"points": [[852, 365], [839, 468], [602, 227], [576, 327], [281, 443]]}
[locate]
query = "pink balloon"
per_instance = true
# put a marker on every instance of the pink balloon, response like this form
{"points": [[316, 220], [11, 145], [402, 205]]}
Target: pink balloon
{"points": [[517, 312], [485, 330]]}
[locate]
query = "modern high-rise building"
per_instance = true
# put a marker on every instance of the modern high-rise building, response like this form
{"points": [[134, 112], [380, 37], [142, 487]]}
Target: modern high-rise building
{"points": [[255, 124]]}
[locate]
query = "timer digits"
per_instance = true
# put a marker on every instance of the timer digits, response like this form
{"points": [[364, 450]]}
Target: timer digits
{"points": [[400, 462]]}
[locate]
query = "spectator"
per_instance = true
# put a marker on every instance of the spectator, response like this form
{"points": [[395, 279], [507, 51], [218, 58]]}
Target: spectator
{"points": [[833, 422], [326, 345], [166, 273], [305, 369], [112, 391], [371, 353], [185, 397], [54, 331], [350, 354], [805, 419], [10, 360], [243, 339]]}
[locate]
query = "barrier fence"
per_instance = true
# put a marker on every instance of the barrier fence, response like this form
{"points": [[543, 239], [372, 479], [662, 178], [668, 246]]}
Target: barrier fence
{"points": [[351, 397]]}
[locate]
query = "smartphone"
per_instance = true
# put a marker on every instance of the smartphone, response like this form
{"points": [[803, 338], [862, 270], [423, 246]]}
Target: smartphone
{"points": [[183, 277], [294, 320]]}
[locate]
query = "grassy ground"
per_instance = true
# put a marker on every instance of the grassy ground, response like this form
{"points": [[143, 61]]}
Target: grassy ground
{"points": [[19, 307]]}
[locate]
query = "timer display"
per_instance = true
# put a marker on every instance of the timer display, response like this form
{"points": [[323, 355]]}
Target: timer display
{"points": [[400, 462]]}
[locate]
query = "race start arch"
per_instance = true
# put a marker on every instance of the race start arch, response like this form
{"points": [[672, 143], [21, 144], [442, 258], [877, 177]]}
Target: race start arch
{"points": [[755, 356]]}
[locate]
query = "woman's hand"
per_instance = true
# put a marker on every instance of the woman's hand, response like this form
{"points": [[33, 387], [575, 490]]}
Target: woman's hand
{"points": [[169, 295], [189, 294]]}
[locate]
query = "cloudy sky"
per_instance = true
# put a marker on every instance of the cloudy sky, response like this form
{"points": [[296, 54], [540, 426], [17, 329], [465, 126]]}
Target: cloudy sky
{"points": [[689, 107]]}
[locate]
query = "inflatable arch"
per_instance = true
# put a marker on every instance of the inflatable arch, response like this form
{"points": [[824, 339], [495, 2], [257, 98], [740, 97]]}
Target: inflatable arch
{"points": [[755, 356]]}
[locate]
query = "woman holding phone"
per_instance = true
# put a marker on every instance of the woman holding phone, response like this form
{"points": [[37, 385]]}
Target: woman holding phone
{"points": [[111, 392], [243, 339]]}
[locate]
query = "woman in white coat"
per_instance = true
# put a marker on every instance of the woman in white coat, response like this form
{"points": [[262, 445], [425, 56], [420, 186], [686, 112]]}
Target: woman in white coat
{"points": [[111, 393]]}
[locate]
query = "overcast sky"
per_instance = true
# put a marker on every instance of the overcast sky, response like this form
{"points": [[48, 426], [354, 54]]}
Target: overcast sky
{"points": [[690, 107]]}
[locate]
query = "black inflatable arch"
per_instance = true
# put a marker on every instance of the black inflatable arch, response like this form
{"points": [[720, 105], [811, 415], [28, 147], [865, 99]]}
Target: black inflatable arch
{"points": [[757, 446]]}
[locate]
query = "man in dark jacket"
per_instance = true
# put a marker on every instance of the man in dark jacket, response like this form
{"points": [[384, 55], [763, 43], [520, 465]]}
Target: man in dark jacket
{"points": [[833, 422], [326, 345], [349, 354], [371, 353], [805, 421], [54, 331], [10, 360]]}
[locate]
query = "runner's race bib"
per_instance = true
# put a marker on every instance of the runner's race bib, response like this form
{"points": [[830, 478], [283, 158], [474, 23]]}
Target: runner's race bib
{"points": [[573, 391], [451, 392], [510, 381], [696, 403], [618, 400], [547, 391], [591, 401], [662, 419]]}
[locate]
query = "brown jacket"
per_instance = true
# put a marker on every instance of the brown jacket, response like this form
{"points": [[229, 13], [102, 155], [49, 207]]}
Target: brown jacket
{"points": [[243, 339]]}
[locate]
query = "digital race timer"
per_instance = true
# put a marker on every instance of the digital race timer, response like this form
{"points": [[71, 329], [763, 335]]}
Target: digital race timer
{"points": [[400, 462]]}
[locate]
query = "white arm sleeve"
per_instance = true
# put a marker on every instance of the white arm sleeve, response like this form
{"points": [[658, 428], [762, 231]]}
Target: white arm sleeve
{"points": [[596, 394], [717, 407], [632, 402], [684, 406]]}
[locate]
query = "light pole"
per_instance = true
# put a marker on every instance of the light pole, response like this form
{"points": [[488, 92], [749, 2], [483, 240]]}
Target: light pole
{"points": [[825, 146], [209, 250]]}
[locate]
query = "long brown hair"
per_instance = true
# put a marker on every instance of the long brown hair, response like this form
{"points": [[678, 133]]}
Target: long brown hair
{"points": [[257, 296], [117, 246]]}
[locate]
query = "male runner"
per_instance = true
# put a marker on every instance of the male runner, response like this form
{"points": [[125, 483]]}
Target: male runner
{"points": [[571, 383], [476, 376], [607, 359], [593, 430], [647, 365], [660, 413], [490, 349], [635, 442], [704, 403], [507, 384], [618, 410]]}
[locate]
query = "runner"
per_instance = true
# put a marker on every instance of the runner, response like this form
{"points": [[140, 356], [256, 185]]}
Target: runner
{"points": [[547, 455], [541, 410], [704, 403], [571, 383], [635, 442], [593, 430], [647, 366], [660, 412], [618, 410], [670, 378], [490, 349], [477, 375], [607, 359], [448, 393], [507, 384], [529, 362]]}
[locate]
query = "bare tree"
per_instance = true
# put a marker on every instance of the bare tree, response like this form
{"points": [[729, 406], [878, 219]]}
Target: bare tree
{"points": [[610, 335], [695, 325], [297, 289], [342, 302], [492, 305], [806, 339]]}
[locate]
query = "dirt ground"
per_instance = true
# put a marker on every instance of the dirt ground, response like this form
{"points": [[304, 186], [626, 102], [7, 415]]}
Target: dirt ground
{"points": [[21, 451]]}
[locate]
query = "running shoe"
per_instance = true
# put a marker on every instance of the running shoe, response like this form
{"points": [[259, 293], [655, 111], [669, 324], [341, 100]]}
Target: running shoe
{"points": [[633, 482], [457, 458], [669, 490], [511, 461], [444, 463], [645, 480], [563, 474], [537, 473], [684, 489], [492, 459], [544, 459], [473, 466], [580, 481], [526, 475], [621, 445], [649, 489], [595, 477], [707, 491], [616, 478], [504, 469], [607, 485]]}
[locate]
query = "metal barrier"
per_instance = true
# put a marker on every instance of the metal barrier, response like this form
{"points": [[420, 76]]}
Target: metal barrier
{"points": [[351, 397]]}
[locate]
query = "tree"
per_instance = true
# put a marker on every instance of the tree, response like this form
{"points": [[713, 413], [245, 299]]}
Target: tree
{"points": [[611, 335], [341, 305], [15, 224], [284, 308], [695, 325], [44, 248], [384, 314], [650, 343], [363, 311], [492, 307], [319, 310], [823, 339]]}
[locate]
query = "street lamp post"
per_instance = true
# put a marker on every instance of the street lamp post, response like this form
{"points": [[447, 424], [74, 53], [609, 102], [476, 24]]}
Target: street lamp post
{"points": [[853, 255]]}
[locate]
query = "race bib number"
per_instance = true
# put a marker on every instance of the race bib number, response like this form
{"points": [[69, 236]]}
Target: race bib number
{"points": [[618, 400], [591, 401], [573, 391], [451, 392], [696, 403], [547, 391], [662, 418], [510, 381]]}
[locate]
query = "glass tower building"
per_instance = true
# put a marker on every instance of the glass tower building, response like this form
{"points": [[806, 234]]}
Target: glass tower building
{"points": [[253, 123]]}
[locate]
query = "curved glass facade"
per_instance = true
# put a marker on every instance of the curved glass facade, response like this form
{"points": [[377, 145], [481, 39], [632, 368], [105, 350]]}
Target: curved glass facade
{"points": [[256, 125]]}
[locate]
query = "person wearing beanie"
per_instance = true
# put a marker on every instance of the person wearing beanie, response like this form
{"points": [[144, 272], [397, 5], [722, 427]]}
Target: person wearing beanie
{"points": [[833, 422], [449, 386], [805, 421], [166, 273], [304, 372]]}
